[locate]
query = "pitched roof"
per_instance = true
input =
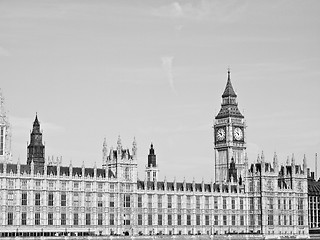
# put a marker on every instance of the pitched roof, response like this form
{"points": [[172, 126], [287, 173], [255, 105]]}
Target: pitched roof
{"points": [[228, 91]]}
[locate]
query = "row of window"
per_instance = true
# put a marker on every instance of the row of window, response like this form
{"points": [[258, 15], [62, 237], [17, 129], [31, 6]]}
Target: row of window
{"points": [[127, 201], [283, 220], [126, 219], [63, 185], [63, 219], [287, 203]]}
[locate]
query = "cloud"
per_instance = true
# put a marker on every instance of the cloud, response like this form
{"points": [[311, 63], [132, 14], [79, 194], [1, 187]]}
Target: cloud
{"points": [[167, 67]]}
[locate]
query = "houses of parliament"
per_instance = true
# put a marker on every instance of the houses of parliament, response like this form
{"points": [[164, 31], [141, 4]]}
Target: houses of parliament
{"points": [[43, 197]]}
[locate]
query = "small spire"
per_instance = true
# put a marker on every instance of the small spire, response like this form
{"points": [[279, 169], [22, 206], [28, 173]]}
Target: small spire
{"points": [[229, 92], [262, 157], [293, 161], [104, 142], [119, 141]]}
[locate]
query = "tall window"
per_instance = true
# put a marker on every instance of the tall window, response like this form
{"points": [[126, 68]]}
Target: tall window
{"points": [[206, 202], [159, 201], [241, 220], [76, 199], [99, 218], [233, 220], [50, 199], [251, 203], [63, 219], [233, 203], [140, 219], [224, 220], [88, 219], [37, 199], [169, 201], [88, 199], [198, 219], [251, 220], [111, 219], [50, 218], [10, 198], [188, 202], [169, 219], [63, 199], [290, 204], [37, 219], [197, 202], [207, 220], [75, 219], [188, 220], [159, 219], [241, 203], [149, 201], [224, 203], [126, 200], [127, 173], [23, 218], [63, 185], [270, 204], [179, 220], [270, 220], [215, 202], [111, 202], [279, 203], [99, 199], [284, 204], [179, 202], [300, 220], [139, 201], [300, 203], [10, 218], [259, 203], [24, 199], [216, 220], [150, 219]]}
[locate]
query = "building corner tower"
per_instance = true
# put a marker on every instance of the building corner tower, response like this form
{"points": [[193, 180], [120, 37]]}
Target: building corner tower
{"points": [[36, 147], [5, 134], [152, 167], [229, 137]]}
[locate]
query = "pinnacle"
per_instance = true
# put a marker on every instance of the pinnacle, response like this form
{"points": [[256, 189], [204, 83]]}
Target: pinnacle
{"points": [[229, 92]]}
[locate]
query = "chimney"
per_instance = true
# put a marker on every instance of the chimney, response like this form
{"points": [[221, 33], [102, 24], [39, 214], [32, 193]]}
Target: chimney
{"points": [[312, 175]]}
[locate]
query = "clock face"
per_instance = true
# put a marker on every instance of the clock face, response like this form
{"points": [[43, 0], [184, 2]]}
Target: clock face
{"points": [[238, 134], [221, 134]]}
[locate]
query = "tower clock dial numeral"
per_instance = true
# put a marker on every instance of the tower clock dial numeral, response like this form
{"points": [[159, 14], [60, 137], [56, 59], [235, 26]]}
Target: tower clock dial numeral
{"points": [[221, 134], [237, 133]]}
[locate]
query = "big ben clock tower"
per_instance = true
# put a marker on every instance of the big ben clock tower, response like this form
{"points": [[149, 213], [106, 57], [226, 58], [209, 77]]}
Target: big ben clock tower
{"points": [[229, 137]]}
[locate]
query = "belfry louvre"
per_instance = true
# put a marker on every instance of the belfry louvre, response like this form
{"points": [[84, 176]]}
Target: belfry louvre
{"points": [[46, 198]]}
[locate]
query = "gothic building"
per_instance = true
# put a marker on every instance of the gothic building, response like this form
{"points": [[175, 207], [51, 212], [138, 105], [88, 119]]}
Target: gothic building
{"points": [[45, 198]]}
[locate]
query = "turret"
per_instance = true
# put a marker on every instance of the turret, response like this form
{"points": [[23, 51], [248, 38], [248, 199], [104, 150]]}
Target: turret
{"points": [[104, 153], [5, 134], [36, 148], [304, 164], [152, 167], [275, 162]]}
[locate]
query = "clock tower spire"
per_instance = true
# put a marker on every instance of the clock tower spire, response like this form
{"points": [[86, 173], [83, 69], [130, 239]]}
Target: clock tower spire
{"points": [[229, 136], [36, 148]]}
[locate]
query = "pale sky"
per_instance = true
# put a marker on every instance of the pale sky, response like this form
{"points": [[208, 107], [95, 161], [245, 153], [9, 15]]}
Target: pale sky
{"points": [[156, 70]]}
